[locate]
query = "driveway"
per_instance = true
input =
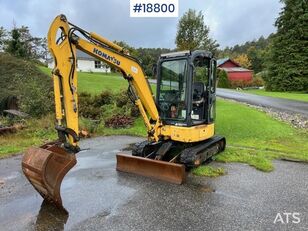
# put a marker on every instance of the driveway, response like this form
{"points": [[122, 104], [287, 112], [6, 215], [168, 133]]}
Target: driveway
{"points": [[292, 106], [100, 198]]}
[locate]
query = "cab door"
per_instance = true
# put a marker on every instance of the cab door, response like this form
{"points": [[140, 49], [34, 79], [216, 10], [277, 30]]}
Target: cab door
{"points": [[211, 93]]}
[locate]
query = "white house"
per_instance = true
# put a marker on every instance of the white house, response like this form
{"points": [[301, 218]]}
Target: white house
{"points": [[86, 63]]}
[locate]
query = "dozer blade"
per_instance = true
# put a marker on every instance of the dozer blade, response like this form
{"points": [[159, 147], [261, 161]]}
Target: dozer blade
{"points": [[45, 168], [162, 170]]}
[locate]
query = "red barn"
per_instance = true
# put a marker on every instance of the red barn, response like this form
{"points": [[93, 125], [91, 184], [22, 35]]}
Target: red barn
{"points": [[234, 70]]}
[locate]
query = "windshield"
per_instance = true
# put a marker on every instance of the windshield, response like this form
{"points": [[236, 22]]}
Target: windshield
{"points": [[172, 87]]}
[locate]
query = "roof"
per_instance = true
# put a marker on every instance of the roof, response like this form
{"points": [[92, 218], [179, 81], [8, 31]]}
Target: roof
{"points": [[175, 54], [235, 69], [80, 55], [222, 61]]}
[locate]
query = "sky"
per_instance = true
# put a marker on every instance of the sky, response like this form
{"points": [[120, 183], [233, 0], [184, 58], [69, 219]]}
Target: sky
{"points": [[230, 22]]}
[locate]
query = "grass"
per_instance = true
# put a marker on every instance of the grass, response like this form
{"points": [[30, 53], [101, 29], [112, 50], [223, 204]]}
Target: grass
{"points": [[208, 171], [95, 83], [252, 136], [138, 129], [36, 133], [255, 138], [285, 95]]}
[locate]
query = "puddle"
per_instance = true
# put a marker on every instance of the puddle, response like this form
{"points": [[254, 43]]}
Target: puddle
{"points": [[50, 218], [91, 189], [91, 162]]}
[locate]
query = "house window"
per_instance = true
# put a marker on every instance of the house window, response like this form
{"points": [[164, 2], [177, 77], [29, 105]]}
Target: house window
{"points": [[98, 64]]}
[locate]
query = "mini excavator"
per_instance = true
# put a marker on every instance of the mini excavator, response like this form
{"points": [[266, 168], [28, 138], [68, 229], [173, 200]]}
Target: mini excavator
{"points": [[179, 120]]}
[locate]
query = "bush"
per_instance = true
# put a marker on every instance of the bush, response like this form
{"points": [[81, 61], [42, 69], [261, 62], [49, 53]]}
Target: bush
{"points": [[24, 80], [119, 121], [223, 81], [106, 105], [105, 97], [87, 125], [240, 84], [86, 106], [122, 99], [134, 111], [258, 81]]}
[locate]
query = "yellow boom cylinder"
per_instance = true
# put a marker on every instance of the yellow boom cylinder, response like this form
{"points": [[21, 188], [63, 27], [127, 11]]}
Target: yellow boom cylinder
{"points": [[106, 41]]}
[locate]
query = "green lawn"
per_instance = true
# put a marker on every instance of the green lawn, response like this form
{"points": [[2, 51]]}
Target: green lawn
{"points": [[255, 138], [252, 136], [210, 171], [285, 95], [96, 82], [37, 132]]}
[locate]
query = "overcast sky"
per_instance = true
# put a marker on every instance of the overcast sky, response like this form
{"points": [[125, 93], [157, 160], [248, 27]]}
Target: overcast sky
{"points": [[230, 22]]}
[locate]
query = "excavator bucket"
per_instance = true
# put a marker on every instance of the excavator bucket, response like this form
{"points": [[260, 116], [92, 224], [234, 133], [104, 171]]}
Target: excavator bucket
{"points": [[45, 168], [162, 170]]}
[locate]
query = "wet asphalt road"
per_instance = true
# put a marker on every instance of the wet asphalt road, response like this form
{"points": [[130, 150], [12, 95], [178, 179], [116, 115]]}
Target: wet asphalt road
{"points": [[292, 106], [99, 198]]}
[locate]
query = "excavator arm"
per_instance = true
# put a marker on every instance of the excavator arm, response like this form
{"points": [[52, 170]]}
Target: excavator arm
{"points": [[63, 49]]}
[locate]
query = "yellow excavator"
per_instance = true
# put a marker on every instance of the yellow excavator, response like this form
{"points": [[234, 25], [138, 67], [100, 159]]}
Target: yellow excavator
{"points": [[179, 121]]}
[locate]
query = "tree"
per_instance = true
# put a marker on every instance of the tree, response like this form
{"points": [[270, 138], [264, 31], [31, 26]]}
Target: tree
{"points": [[146, 56], [255, 50], [15, 45], [287, 68], [257, 58], [42, 50], [3, 34], [223, 81], [243, 60], [21, 43], [193, 33]]}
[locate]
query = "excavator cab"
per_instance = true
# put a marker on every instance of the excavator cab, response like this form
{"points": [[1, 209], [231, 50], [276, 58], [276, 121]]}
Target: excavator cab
{"points": [[185, 99], [186, 88]]}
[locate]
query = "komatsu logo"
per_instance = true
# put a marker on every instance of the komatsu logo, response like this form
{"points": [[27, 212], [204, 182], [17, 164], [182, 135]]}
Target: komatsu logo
{"points": [[107, 57]]}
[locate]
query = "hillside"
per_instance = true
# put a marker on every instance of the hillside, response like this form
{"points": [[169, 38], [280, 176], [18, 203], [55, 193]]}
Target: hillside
{"points": [[24, 80]]}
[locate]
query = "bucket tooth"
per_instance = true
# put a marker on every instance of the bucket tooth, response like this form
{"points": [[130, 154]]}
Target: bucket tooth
{"points": [[162, 170], [45, 169]]}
